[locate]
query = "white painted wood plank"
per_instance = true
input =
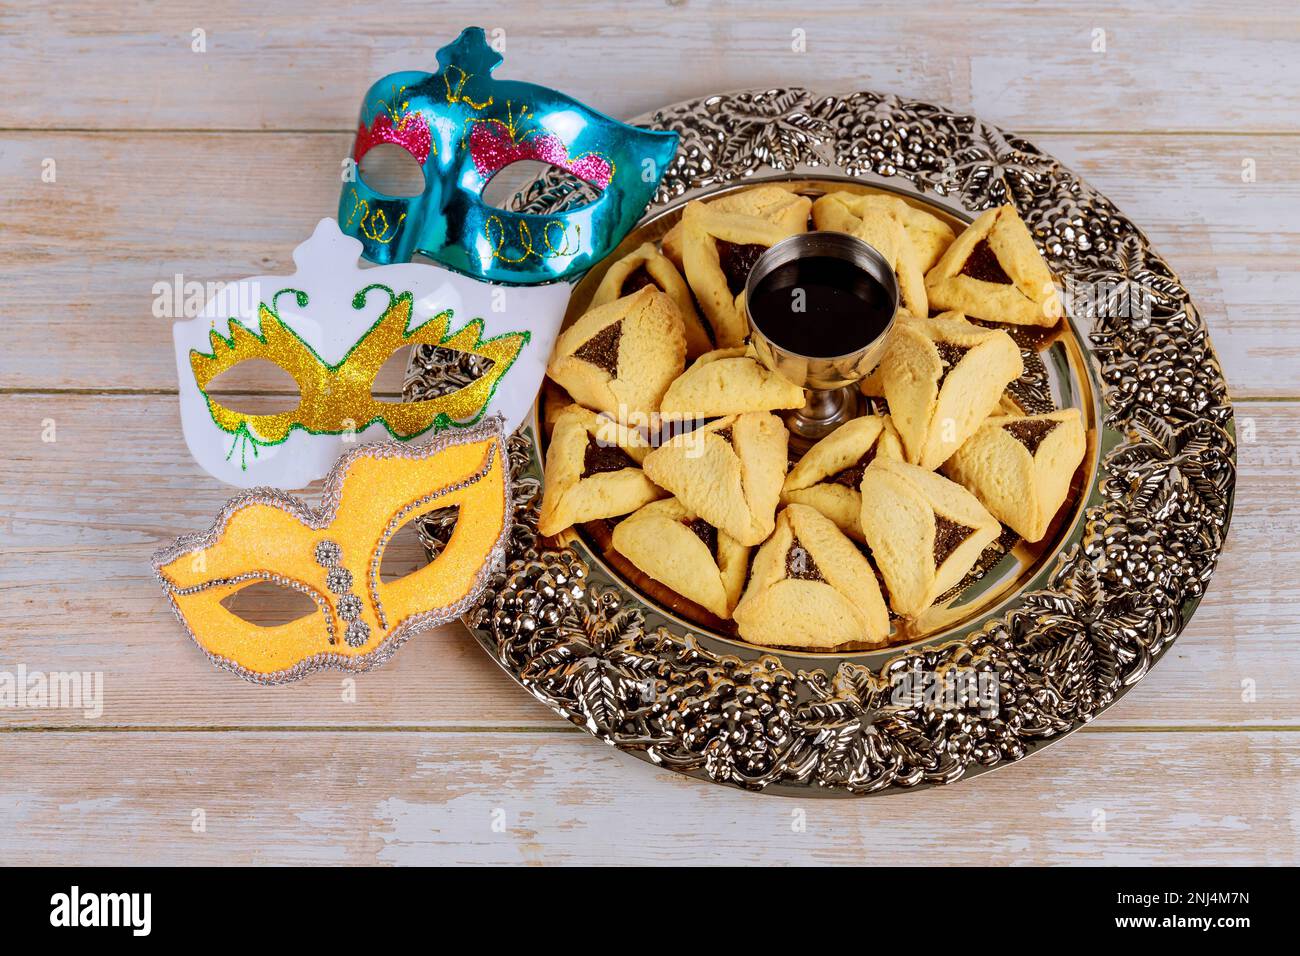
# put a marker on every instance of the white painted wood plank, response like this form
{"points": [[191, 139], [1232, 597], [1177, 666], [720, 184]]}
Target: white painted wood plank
{"points": [[301, 65], [1147, 799]]}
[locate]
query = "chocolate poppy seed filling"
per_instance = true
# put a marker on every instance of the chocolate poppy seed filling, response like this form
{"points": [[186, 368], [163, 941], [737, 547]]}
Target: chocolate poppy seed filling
{"points": [[1030, 338], [948, 536], [637, 280], [851, 477], [736, 260], [706, 533], [1031, 432], [949, 355], [799, 564], [598, 459], [601, 350], [983, 264]]}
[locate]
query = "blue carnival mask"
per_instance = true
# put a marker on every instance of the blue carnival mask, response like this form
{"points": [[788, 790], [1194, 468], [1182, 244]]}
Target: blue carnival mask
{"points": [[463, 127]]}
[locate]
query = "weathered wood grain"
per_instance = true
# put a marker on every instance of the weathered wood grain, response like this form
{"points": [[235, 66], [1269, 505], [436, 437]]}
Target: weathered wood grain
{"points": [[302, 65], [84, 254], [563, 798], [415, 762], [80, 517]]}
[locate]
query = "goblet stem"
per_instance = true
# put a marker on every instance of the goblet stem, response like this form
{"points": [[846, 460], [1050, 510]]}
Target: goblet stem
{"points": [[826, 410]]}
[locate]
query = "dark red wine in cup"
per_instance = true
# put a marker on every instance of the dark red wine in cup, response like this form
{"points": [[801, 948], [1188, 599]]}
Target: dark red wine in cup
{"points": [[820, 306]]}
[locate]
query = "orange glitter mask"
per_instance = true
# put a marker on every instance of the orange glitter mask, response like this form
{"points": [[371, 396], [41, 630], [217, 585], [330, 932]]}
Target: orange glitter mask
{"points": [[333, 554]]}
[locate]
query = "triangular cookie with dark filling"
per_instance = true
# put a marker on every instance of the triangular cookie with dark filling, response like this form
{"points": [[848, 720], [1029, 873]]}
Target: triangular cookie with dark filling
{"points": [[621, 357], [1020, 467], [776, 204], [828, 475], [681, 550], [728, 382], [718, 251], [993, 271], [942, 377], [593, 470], [811, 587], [930, 235], [883, 230], [729, 472], [646, 265], [924, 531]]}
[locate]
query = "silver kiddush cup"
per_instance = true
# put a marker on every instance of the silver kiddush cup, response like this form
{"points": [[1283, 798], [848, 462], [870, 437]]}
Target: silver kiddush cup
{"points": [[831, 381]]}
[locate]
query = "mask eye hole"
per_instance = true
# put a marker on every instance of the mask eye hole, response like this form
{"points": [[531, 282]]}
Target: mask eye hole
{"points": [[255, 386], [439, 371], [528, 185], [392, 171], [389, 381], [267, 604], [410, 547]]}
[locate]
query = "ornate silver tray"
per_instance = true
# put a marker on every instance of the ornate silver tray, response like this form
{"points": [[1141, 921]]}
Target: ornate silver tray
{"points": [[1082, 626]]}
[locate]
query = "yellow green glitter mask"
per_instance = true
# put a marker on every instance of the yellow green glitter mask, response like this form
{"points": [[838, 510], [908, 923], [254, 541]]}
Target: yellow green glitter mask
{"points": [[331, 326]]}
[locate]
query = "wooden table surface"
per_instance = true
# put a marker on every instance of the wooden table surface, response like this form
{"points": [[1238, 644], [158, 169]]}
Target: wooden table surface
{"points": [[213, 163]]}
